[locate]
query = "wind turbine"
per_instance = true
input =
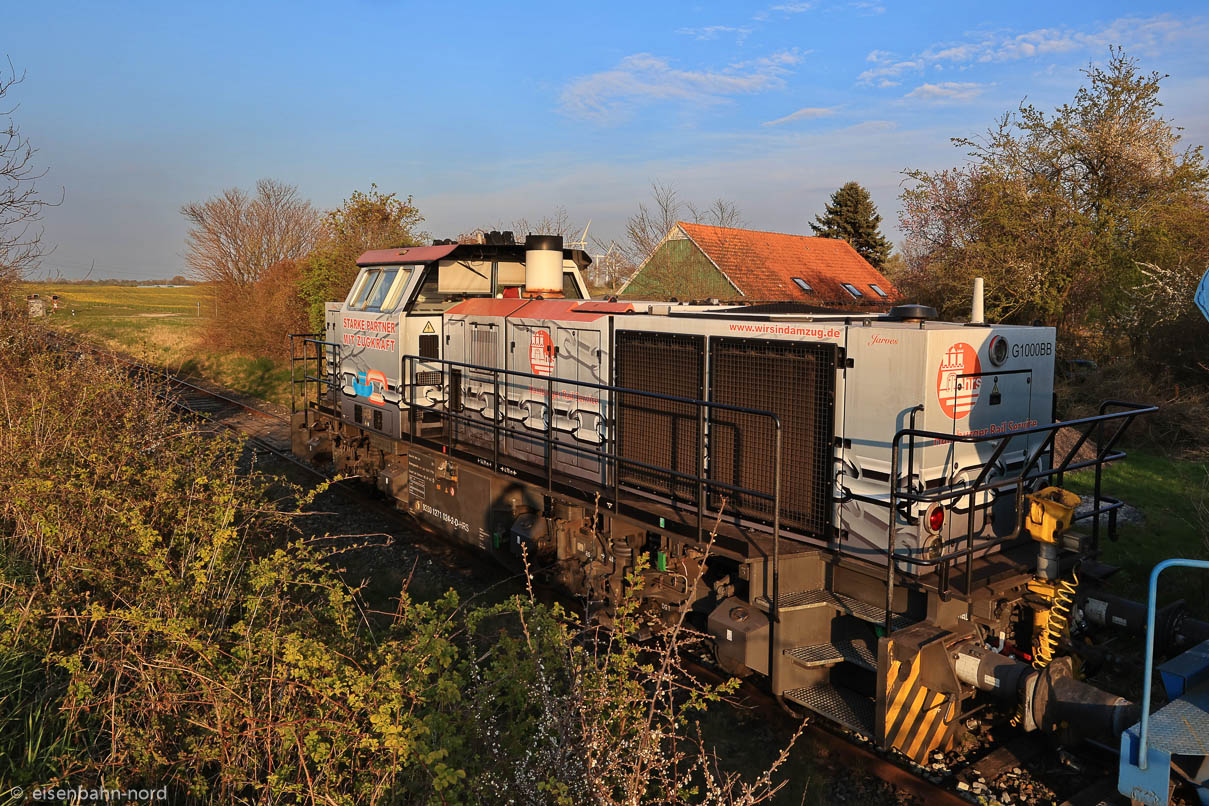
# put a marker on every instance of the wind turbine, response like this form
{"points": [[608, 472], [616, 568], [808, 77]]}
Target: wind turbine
{"points": [[582, 243]]}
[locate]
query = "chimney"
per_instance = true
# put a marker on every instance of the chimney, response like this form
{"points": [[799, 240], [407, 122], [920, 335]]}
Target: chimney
{"points": [[544, 266], [976, 312]]}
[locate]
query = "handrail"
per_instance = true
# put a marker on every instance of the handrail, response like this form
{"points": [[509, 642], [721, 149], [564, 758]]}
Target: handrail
{"points": [[321, 348], [1148, 673], [1031, 471], [601, 386], [600, 454], [703, 483]]}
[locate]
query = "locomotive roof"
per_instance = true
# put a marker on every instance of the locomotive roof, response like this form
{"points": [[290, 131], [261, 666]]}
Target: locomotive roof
{"points": [[458, 251]]}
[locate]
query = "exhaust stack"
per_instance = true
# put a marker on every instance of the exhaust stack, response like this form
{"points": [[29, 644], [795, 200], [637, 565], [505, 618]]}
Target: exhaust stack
{"points": [[976, 311], [544, 266]]}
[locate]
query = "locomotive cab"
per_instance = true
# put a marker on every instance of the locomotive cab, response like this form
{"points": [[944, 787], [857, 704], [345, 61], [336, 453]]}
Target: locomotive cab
{"points": [[395, 308]]}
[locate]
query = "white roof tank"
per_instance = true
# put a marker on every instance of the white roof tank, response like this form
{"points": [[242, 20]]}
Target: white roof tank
{"points": [[544, 266]]}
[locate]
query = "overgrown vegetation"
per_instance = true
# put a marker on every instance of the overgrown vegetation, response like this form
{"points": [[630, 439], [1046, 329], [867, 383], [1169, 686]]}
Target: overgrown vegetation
{"points": [[163, 624], [373, 220], [1180, 427], [1093, 219]]}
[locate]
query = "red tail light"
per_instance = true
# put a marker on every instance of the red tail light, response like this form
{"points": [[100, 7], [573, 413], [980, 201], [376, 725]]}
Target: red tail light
{"points": [[936, 518]]}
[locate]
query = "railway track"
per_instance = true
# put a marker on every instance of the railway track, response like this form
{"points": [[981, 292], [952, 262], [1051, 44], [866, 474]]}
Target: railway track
{"points": [[268, 431], [942, 784]]}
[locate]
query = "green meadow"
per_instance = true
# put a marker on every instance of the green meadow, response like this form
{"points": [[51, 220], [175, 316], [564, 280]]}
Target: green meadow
{"points": [[164, 327]]}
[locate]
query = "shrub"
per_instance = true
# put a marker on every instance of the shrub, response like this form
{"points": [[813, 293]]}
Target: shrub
{"points": [[164, 623], [1179, 428], [257, 319]]}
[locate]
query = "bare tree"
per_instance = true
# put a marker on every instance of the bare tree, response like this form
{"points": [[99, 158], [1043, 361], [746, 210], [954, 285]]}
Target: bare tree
{"points": [[678, 274], [20, 205], [557, 222], [646, 229], [235, 237], [609, 268], [720, 213]]}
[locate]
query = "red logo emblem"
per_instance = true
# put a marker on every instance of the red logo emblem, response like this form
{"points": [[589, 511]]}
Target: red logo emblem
{"points": [[956, 391], [541, 353]]}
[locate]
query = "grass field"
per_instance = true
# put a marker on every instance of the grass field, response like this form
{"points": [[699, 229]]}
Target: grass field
{"points": [[1174, 497], [165, 327]]}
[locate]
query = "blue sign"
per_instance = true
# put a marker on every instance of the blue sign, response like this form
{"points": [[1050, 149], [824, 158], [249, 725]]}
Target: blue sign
{"points": [[1202, 295]]}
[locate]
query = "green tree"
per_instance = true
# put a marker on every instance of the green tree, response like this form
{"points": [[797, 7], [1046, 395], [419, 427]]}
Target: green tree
{"points": [[1066, 215], [852, 216], [373, 220]]}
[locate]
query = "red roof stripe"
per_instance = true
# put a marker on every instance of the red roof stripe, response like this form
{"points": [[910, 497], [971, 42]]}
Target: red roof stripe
{"points": [[556, 309]]}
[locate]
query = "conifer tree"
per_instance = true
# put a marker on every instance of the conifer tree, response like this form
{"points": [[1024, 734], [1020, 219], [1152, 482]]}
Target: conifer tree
{"points": [[851, 215]]}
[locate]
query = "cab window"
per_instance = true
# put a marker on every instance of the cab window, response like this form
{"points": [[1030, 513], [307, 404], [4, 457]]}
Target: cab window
{"points": [[357, 292], [428, 296], [368, 282], [570, 287], [381, 288], [396, 290]]}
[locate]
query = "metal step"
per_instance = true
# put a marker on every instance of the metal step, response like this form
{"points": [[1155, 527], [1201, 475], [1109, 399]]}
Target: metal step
{"points": [[1181, 727], [856, 652], [839, 704], [802, 600]]}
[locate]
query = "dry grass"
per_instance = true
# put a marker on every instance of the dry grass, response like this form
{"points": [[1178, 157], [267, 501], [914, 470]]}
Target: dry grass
{"points": [[166, 327]]}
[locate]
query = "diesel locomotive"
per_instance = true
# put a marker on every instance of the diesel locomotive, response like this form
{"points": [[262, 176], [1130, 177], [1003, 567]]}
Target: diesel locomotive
{"points": [[867, 508]]}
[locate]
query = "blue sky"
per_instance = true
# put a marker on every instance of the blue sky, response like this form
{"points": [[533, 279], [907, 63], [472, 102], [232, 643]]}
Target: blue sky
{"points": [[489, 112]]}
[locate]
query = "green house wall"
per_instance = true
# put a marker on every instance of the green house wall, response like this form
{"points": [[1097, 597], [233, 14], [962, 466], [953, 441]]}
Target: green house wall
{"points": [[679, 269]]}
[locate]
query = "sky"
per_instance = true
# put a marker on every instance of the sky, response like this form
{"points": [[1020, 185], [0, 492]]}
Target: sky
{"points": [[487, 113]]}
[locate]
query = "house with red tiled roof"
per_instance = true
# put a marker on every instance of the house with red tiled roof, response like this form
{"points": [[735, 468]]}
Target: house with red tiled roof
{"points": [[697, 261]]}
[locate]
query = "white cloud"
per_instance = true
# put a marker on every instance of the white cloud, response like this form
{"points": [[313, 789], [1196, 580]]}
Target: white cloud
{"points": [[887, 70], [808, 113], [782, 8], [708, 32], [644, 79], [868, 9], [946, 91], [793, 8], [1135, 34]]}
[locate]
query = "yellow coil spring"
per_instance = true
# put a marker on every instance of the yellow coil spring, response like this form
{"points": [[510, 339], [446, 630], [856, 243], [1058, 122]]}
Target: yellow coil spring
{"points": [[1057, 623]]}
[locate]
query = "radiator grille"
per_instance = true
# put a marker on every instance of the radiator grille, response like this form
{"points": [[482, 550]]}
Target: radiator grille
{"points": [[796, 381], [482, 346], [663, 433]]}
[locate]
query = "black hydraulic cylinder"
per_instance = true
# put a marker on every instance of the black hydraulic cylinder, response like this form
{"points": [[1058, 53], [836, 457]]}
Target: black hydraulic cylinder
{"points": [[1173, 627], [1050, 696]]}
